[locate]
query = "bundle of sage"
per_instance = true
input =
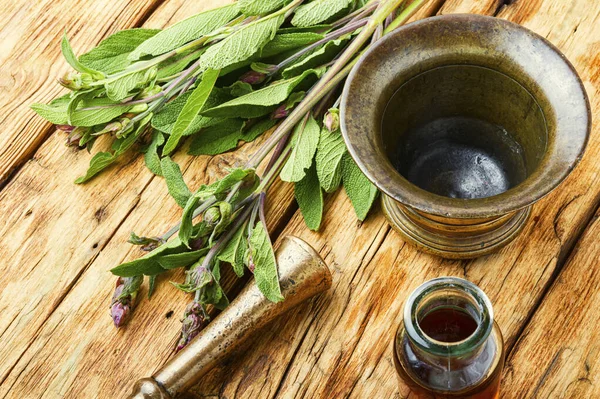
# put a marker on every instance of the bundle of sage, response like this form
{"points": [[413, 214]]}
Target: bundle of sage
{"points": [[219, 78]]}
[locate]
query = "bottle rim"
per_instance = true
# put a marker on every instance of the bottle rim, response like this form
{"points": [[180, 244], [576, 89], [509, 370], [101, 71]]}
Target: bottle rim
{"points": [[484, 317]]}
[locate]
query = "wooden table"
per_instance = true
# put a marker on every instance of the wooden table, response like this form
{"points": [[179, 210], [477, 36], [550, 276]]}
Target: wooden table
{"points": [[58, 241]]}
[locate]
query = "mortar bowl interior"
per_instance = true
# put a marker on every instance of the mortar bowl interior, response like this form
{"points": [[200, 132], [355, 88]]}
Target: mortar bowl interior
{"points": [[465, 116]]}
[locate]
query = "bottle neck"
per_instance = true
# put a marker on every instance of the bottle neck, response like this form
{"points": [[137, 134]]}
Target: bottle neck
{"points": [[448, 319]]}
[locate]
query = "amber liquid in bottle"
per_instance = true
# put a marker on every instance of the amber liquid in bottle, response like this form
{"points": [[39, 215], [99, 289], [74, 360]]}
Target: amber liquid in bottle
{"points": [[449, 349]]}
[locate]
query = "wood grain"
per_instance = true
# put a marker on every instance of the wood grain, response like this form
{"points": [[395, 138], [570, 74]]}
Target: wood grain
{"points": [[558, 355], [30, 61], [339, 345], [59, 239]]}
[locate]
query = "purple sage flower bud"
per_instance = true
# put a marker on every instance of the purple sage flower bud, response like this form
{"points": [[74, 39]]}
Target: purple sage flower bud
{"points": [[65, 128], [212, 215], [123, 299], [281, 112], [253, 77], [194, 318]]}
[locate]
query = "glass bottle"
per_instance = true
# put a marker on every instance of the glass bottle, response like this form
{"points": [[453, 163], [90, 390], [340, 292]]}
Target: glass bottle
{"points": [[448, 345]]}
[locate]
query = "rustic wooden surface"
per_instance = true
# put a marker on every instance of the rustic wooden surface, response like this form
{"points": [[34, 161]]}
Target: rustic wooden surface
{"points": [[58, 240]]}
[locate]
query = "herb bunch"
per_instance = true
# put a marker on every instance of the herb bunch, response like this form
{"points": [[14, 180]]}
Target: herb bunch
{"points": [[218, 78]]}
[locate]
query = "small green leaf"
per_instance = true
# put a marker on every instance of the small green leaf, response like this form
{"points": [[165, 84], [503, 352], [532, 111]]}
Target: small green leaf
{"points": [[235, 251], [151, 285], [120, 88], [260, 102], [319, 56], [191, 109], [318, 11], [187, 220], [175, 183], [102, 110], [265, 265], [166, 118], [242, 44], [306, 140], [226, 183], [178, 63], [102, 160], [148, 264], [183, 259], [151, 157], [283, 42], [309, 196], [218, 139], [329, 156], [71, 58], [360, 190], [186, 31], [110, 56], [260, 7], [54, 112]]}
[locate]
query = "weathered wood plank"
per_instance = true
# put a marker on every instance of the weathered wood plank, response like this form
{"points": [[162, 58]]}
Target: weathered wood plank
{"points": [[340, 344], [30, 61], [558, 354]]}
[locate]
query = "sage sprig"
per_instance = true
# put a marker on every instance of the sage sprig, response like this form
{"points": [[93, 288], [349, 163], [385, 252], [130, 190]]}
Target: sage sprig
{"points": [[216, 79]]}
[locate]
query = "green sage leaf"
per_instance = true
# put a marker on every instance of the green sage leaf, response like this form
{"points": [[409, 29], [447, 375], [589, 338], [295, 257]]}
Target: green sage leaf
{"points": [[309, 196], [283, 42], [305, 142], [242, 44], [360, 190], [319, 56], [111, 55], [235, 251], [175, 183], [260, 102], [260, 7], [151, 157], [183, 259], [186, 31], [328, 160], [120, 88], [166, 118], [190, 110], [218, 139], [71, 58], [103, 110], [318, 11], [265, 265], [151, 285], [148, 264]]}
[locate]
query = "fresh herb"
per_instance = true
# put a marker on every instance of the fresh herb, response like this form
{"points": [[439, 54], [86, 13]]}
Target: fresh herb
{"points": [[219, 78]]}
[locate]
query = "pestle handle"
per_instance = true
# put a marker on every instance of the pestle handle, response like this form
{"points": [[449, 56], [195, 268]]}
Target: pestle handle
{"points": [[302, 275]]}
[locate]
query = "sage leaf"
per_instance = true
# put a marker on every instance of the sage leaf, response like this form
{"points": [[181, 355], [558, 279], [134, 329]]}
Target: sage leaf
{"points": [[284, 42], [309, 196], [190, 110], [260, 102], [177, 63], [166, 118], [120, 88], [235, 251], [187, 223], [148, 264], [102, 160], [111, 55], [151, 285], [328, 160], [104, 110], [175, 183], [265, 265], [183, 259], [221, 186], [317, 57], [218, 139], [260, 7], [305, 142], [258, 129], [242, 44], [71, 58], [360, 190], [151, 157], [318, 11], [186, 31]]}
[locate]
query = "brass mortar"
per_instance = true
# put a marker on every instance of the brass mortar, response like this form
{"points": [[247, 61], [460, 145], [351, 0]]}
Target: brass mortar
{"points": [[464, 122]]}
